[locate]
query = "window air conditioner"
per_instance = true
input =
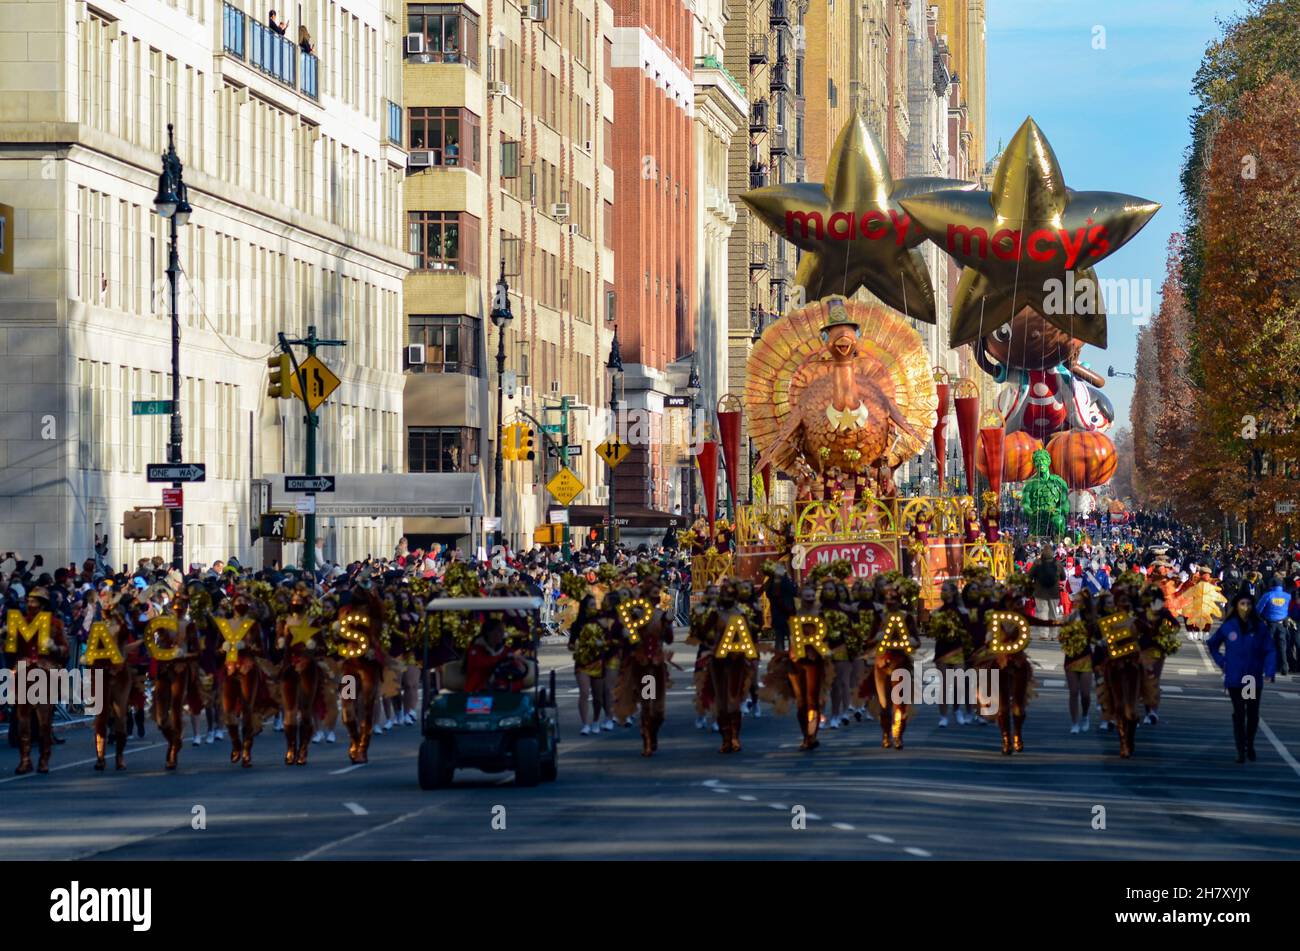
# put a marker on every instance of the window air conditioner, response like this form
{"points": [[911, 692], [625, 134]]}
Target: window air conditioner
{"points": [[420, 158], [415, 355], [498, 88], [560, 210], [414, 43]]}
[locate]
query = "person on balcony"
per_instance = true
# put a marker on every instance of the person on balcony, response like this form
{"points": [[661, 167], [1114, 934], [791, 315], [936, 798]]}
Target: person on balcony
{"points": [[304, 39], [277, 26]]}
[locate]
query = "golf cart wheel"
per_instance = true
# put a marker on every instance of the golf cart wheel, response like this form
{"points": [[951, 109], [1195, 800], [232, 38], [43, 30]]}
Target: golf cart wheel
{"points": [[551, 768], [528, 762], [435, 768]]}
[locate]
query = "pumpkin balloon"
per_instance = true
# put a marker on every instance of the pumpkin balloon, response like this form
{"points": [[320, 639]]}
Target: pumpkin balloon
{"points": [[1017, 457], [1083, 460]]}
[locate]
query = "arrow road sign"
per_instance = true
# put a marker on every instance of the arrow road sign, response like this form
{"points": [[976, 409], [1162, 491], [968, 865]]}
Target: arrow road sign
{"points": [[184, 472], [613, 451], [556, 451], [321, 382], [303, 483]]}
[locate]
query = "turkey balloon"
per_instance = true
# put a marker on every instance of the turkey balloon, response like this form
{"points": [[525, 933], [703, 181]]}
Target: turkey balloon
{"points": [[839, 394]]}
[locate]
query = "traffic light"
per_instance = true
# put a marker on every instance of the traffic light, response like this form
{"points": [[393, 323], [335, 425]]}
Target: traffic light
{"points": [[278, 382], [510, 441], [526, 448]]}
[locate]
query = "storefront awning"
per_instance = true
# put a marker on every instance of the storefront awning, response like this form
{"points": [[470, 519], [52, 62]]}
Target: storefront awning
{"points": [[625, 517]]}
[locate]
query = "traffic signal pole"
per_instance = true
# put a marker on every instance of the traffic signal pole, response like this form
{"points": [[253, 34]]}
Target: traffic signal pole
{"points": [[312, 420]]}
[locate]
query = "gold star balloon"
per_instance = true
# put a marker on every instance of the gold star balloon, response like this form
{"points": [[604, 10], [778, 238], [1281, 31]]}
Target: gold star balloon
{"points": [[1029, 242], [853, 228], [302, 634]]}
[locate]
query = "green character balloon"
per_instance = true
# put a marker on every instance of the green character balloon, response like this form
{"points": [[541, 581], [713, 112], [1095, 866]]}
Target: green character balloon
{"points": [[1046, 498]]}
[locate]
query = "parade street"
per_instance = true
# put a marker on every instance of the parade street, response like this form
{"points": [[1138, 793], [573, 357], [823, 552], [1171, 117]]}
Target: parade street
{"points": [[949, 795]]}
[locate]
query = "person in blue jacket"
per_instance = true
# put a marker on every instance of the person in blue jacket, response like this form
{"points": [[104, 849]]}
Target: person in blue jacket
{"points": [[1273, 606], [1243, 650]]}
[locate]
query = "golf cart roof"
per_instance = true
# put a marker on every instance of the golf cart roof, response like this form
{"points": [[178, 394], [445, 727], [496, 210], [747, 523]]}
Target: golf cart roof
{"points": [[484, 604]]}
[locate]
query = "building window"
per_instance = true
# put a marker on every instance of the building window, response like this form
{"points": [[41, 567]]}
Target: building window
{"points": [[444, 240], [441, 448], [451, 342], [450, 32], [450, 134]]}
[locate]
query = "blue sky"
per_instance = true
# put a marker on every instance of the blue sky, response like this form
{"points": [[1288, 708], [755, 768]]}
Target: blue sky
{"points": [[1116, 117]]}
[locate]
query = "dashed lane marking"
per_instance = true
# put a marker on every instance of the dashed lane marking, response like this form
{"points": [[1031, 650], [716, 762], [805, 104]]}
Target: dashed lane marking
{"points": [[356, 809]]}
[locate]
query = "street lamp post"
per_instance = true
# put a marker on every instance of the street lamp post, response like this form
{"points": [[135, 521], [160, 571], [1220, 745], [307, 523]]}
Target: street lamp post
{"points": [[614, 367], [172, 203], [501, 316], [693, 391]]}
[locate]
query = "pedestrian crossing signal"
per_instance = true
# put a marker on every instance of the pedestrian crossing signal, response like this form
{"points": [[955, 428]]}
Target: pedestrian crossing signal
{"points": [[278, 384]]}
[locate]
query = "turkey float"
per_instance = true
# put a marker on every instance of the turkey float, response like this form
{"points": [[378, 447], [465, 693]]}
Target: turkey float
{"points": [[839, 394]]}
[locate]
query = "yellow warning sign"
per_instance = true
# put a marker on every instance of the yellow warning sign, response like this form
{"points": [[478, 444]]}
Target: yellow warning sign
{"points": [[321, 382], [565, 486], [613, 451]]}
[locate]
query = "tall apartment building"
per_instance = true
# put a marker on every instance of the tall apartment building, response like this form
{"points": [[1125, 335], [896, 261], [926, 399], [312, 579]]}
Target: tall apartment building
{"points": [[296, 186], [765, 43], [655, 252], [508, 118], [721, 116]]}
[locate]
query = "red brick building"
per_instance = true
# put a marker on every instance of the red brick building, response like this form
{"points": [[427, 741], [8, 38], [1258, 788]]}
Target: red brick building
{"points": [[654, 230]]}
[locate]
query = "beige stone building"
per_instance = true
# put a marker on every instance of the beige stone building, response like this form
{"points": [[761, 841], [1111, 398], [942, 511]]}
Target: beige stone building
{"points": [[295, 182], [507, 116]]}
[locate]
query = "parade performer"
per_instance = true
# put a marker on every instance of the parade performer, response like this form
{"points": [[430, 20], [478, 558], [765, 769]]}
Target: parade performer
{"points": [[949, 624], [1004, 654], [360, 645], [587, 645], [1076, 640], [110, 642], [646, 630], [1123, 663], [173, 642], [703, 618], [833, 599], [301, 678], [34, 638], [731, 663], [803, 672], [245, 697], [1158, 638], [895, 639]]}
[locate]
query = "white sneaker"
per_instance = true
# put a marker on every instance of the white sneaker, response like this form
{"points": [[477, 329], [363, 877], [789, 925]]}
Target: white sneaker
{"points": [[210, 738], [1074, 728], [317, 736], [389, 725], [329, 737], [715, 727], [410, 718], [1083, 727], [608, 725], [758, 712], [586, 730], [943, 723], [961, 717], [701, 723], [834, 724], [279, 723], [198, 740], [221, 734]]}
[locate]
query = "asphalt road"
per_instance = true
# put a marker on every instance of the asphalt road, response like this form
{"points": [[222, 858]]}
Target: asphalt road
{"points": [[949, 795]]}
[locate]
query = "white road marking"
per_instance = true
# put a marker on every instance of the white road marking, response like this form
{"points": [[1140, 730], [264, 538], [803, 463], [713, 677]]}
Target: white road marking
{"points": [[1289, 696], [1053, 683], [776, 805], [1170, 688], [1205, 658], [747, 798], [813, 816], [719, 789], [842, 826], [913, 850], [364, 832], [346, 769], [1282, 751], [1188, 671], [884, 839], [356, 809], [81, 762]]}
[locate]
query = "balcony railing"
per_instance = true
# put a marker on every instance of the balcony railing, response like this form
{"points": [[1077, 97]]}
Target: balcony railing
{"points": [[758, 116], [394, 123], [758, 256], [779, 269], [273, 54], [757, 50], [758, 176], [778, 144], [310, 75], [233, 23], [781, 74], [780, 15]]}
